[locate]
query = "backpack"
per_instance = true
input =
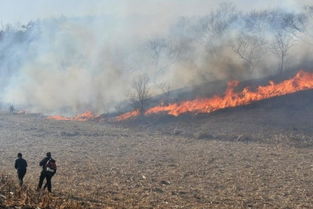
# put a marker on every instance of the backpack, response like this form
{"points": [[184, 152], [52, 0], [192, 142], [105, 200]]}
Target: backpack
{"points": [[51, 166]]}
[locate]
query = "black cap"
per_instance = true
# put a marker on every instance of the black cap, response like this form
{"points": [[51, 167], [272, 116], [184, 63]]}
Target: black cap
{"points": [[48, 154]]}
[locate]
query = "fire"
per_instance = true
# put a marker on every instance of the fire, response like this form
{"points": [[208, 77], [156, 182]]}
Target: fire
{"points": [[128, 115], [58, 117], [301, 81], [82, 117]]}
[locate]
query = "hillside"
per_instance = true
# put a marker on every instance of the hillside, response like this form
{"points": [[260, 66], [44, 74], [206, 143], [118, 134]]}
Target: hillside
{"points": [[286, 119]]}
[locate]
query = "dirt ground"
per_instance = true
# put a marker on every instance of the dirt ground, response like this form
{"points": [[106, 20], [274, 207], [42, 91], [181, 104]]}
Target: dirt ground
{"points": [[116, 167]]}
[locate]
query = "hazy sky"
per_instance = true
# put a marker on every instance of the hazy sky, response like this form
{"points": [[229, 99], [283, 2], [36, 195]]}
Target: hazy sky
{"points": [[12, 11]]}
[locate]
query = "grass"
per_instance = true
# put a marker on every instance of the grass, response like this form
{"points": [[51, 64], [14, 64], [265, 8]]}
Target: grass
{"points": [[104, 166], [14, 196]]}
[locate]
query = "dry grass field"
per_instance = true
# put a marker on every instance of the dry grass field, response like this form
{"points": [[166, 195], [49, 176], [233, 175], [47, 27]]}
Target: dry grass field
{"points": [[103, 165]]}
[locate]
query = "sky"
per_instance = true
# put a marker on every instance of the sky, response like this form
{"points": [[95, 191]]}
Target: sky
{"points": [[23, 11]]}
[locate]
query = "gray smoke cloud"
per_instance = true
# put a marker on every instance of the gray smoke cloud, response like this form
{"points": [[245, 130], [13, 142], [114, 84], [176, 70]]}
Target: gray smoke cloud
{"points": [[71, 65]]}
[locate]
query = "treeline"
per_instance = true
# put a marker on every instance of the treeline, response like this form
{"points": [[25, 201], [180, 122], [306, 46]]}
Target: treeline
{"points": [[246, 43]]}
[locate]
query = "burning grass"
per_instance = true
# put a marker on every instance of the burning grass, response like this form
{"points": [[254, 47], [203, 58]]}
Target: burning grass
{"points": [[81, 117], [301, 81]]}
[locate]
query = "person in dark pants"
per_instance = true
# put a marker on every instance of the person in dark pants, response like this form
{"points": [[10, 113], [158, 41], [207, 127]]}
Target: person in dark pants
{"points": [[48, 170], [20, 166], [49, 175]]}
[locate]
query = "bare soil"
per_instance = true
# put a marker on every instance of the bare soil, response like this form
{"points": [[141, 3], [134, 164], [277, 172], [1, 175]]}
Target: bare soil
{"points": [[120, 167]]}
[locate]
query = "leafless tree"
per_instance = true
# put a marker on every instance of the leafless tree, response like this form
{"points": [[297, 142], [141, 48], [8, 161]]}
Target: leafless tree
{"points": [[163, 53], [221, 19], [309, 22], [248, 48], [157, 46], [216, 25], [288, 26], [141, 93], [282, 43]]}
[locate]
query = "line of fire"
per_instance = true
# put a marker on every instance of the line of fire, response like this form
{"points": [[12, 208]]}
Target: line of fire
{"points": [[300, 82]]}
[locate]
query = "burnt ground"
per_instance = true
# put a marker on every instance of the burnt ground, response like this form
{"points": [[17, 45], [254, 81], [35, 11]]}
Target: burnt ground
{"points": [[256, 156]]}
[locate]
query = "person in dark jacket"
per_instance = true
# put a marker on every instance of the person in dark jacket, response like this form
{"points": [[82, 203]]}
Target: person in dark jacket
{"points": [[47, 172], [20, 166]]}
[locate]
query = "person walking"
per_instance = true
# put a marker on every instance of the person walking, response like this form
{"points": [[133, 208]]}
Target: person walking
{"points": [[20, 166], [48, 170]]}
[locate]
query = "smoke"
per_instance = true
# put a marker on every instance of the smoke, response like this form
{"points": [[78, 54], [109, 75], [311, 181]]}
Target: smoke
{"points": [[69, 65]]}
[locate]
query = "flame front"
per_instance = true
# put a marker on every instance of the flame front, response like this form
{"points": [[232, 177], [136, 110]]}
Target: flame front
{"points": [[301, 81], [82, 117], [128, 115]]}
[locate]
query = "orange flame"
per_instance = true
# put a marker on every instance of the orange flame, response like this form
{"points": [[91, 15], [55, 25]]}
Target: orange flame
{"points": [[301, 81], [82, 117], [128, 115]]}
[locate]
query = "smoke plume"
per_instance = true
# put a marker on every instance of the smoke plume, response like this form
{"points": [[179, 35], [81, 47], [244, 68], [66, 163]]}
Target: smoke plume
{"points": [[68, 65]]}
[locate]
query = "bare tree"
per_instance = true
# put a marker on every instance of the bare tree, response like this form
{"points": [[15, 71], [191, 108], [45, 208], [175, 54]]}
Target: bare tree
{"points": [[141, 95], [282, 43], [309, 22], [157, 47], [248, 48], [163, 53], [287, 27], [220, 20], [216, 25]]}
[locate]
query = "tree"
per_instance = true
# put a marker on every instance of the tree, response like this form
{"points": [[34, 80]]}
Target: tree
{"points": [[163, 53], [309, 21], [216, 25], [141, 93], [286, 27], [157, 47], [282, 43], [248, 48]]}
